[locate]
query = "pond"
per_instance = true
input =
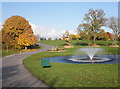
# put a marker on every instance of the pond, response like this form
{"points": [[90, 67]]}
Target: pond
{"points": [[64, 59]]}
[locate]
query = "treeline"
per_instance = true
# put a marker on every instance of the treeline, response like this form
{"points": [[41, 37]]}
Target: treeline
{"points": [[91, 27], [43, 38], [102, 35]]}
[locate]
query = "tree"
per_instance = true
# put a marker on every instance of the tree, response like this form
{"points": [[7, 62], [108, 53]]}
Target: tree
{"points": [[8, 41], [27, 38], [66, 38], [49, 38], [113, 24], [42, 38], [59, 39], [72, 37], [77, 36], [79, 30], [93, 21], [83, 30], [109, 35], [102, 35], [15, 28], [83, 36], [66, 35]]}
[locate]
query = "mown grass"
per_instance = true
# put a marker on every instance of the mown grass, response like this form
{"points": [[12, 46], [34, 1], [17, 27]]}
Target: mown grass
{"points": [[16, 51], [78, 44], [10, 52], [73, 75], [59, 43]]}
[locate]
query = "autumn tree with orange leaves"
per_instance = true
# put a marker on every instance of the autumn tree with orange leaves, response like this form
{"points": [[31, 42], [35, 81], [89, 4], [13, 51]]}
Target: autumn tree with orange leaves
{"points": [[27, 38], [17, 33]]}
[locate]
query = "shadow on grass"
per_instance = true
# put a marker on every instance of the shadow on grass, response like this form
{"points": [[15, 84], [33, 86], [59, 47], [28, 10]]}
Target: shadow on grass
{"points": [[36, 46], [47, 66], [81, 43]]}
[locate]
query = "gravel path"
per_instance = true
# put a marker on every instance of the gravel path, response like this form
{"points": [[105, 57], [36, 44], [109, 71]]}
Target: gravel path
{"points": [[14, 74]]}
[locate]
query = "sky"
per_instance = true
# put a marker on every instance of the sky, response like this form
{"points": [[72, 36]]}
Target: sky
{"points": [[52, 19]]}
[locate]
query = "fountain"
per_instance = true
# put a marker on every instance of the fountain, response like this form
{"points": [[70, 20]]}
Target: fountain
{"points": [[90, 56], [91, 51], [87, 55]]}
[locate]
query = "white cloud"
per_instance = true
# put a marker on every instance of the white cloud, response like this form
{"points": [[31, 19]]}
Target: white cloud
{"points": [[48, 32], [0, 25], [54, 33]]}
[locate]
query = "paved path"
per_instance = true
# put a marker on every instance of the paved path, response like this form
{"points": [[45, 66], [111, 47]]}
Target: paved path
{"points": [[14, 74]]}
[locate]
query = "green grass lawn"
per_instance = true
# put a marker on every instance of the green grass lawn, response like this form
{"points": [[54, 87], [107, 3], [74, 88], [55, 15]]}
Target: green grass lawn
{"points": [[9, 52], [59, 43], [73, 75], [16, 51]]}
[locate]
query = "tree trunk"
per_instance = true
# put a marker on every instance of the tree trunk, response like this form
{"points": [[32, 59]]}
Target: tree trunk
{"points": [[25, 47], [94, 39], [7, 49], [114, 40]]}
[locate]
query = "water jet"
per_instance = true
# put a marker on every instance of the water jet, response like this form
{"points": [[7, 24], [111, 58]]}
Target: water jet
{"points": [[90, 58]]}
